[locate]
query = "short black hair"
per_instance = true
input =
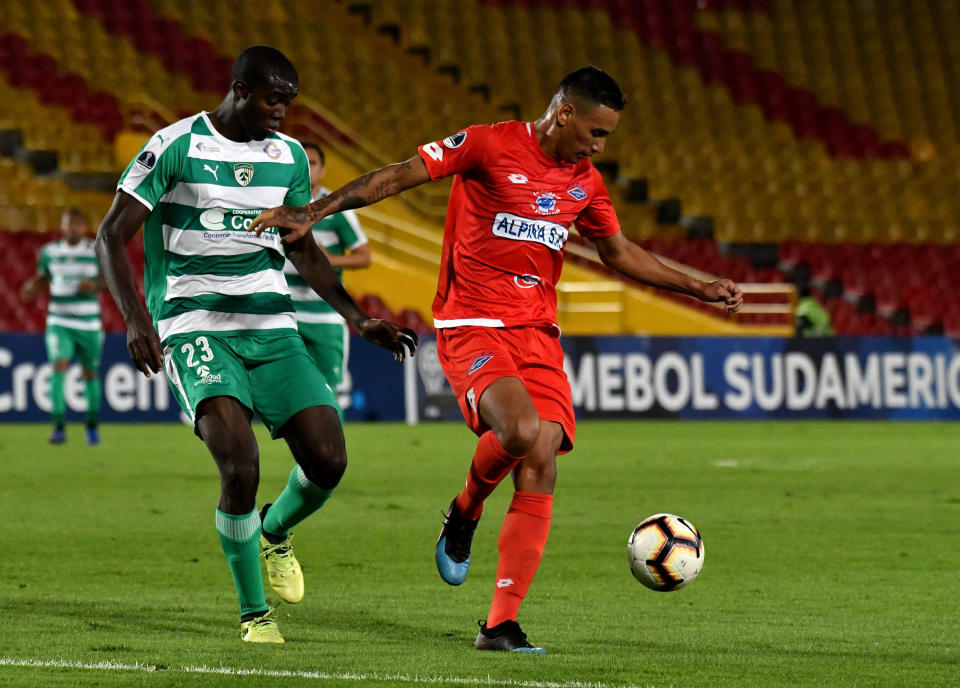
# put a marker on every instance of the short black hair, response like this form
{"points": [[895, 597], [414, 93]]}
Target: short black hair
{"points": [[593, 85], [315, 146], [258, 64]]}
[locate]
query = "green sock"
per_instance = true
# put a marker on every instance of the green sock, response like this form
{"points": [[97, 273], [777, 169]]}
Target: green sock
{"points": [[91, 391], [299, 499], [58, 404], [240, 539]]}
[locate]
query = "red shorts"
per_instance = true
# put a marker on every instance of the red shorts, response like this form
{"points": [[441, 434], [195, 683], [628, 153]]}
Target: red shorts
{"points": [[473, 357]]}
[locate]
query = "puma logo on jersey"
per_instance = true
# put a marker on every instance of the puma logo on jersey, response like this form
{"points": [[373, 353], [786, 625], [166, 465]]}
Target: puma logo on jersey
{"points": [[212, 170]]}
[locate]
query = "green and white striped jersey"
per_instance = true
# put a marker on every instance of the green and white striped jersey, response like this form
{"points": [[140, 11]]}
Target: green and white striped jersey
{"points": [[66, 267], [337, 234], [204, 271]]}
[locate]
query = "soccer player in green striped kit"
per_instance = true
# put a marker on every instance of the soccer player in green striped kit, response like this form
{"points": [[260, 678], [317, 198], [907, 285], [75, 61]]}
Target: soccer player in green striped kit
{"points": [[341, 238], [219, 319], [70, 268]]}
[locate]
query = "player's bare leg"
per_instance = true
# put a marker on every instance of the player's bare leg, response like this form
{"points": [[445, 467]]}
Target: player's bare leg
{"points": [[224, 424], [522, 540], [315, 438]]}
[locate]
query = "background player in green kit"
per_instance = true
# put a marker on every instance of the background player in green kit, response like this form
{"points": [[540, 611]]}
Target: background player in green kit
{"points": [[341, 238], [221, 323], [70, 268]]}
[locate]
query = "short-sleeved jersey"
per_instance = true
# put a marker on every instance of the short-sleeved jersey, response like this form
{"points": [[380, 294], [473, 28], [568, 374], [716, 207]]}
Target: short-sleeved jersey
{"points": [[66, 266], [204, 271], [508, 218], [337, 234]]}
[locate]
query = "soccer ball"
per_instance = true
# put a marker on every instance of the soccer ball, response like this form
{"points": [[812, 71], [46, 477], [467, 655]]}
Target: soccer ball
{"points": [[665, 552]]}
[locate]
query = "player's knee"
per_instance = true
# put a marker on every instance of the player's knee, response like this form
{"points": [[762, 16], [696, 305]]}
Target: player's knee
{"points": [[240, 477], [327, 464], [520, 435]]}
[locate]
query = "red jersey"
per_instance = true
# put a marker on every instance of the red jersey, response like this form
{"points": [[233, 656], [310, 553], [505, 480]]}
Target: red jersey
{"points": [[508, 218]]}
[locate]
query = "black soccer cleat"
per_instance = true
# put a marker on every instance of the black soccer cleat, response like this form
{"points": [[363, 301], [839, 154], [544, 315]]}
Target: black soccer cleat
{"points": [[505, 637], [452, 552]]}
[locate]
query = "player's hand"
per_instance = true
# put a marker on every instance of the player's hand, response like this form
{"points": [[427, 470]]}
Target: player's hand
{"points": [[402, 341], [144, 346], [724, 291], [289, 217]]}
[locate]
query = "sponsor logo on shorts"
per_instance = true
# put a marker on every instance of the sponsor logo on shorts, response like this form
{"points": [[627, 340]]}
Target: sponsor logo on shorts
{"points": [[472, 398], [510, 226], [206, 377], [479, 362]]}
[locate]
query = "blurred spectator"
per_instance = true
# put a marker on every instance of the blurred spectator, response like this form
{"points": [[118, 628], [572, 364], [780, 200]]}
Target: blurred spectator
{"points": [[812, 319]]}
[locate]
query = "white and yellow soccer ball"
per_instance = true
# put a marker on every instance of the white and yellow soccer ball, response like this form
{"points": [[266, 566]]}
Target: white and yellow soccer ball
{"points": [[665, 552]]}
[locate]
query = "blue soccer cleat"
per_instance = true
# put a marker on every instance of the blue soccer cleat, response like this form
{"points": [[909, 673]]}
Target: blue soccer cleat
{"points": [[58, 436], [453, 547], [92, 435]]}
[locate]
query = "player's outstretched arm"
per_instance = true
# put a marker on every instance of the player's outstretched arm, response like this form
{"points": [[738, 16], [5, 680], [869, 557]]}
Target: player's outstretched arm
{"points": [[362, 191], [314, 267], [33, 286], [122, 221], [627, 258]]}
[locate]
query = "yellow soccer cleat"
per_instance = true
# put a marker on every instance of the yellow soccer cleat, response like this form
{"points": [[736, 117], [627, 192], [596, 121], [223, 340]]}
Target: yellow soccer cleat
{"points": [[262, 629], [283, 569]]}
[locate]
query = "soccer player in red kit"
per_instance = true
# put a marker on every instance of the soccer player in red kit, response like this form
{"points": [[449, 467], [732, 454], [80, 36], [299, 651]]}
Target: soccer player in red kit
{"points": [[518, 188]]}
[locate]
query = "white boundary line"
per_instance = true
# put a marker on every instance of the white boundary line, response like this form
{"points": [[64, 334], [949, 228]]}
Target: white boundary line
{"points": [[319, 675]]}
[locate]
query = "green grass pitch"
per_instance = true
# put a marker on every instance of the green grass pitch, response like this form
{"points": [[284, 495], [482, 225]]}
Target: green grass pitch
{"points": [[832, 557]]}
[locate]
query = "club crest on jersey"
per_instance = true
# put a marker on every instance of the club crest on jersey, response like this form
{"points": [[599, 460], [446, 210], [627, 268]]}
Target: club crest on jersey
{"points": [[479, 362], [577, 191], [243, 173], [272, 150], [456, 140], [147, 160], [546, 203]]}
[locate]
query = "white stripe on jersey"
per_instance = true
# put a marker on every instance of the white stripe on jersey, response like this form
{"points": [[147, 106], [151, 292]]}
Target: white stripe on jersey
{"points": [[228, 285], [207, 147], [466, 322], [320, 318], [71, 269], [213, 321], [194, 242], [74, 308], [302, 293], [216, 196], [73, 322]]}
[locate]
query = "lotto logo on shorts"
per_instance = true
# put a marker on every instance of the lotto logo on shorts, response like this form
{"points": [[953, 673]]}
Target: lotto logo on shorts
{"points": [[479, 362]]}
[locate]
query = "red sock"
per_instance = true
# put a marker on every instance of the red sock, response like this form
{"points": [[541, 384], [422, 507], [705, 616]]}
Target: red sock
{"points": [[521, 543], [491, 464]]}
